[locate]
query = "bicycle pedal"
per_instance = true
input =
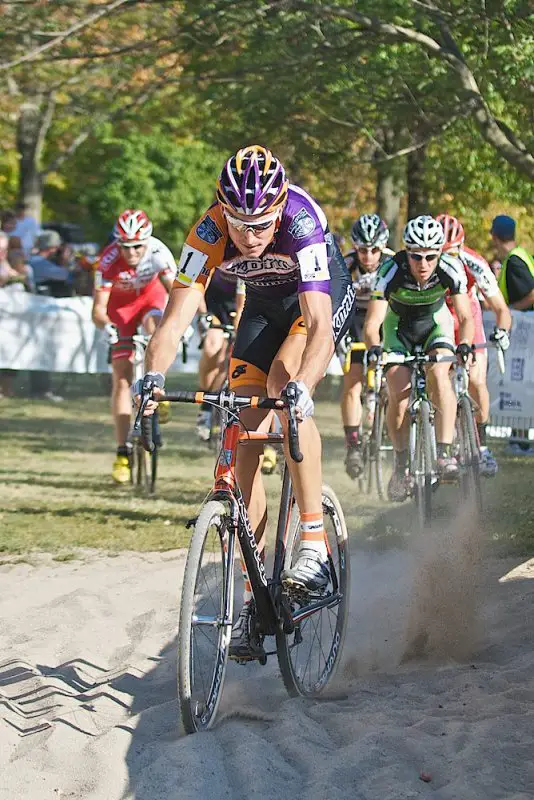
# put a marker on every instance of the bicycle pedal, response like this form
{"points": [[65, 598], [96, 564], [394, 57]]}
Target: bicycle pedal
{"points": [[191, 523]]}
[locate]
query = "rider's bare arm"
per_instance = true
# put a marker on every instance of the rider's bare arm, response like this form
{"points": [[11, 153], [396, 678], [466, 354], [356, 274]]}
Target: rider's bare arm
{"points": [[167, 281], [316, 309], [376, 313], [99, 313], [181, 309], [466, 326], [497, 304], [240, 297]]}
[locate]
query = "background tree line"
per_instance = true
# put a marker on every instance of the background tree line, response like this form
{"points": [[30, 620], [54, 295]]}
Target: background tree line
{"points": [[400, 106]]}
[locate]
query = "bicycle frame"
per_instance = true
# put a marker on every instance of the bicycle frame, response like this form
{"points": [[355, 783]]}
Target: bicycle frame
{"points": [[267, 592]]}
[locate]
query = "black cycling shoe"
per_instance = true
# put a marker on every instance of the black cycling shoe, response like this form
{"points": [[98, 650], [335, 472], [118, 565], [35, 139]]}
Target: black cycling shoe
{"points": [[244, 643], [354, 462]]}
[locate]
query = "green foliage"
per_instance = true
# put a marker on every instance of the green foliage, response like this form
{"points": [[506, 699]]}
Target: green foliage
{"points": [[173, 180]]}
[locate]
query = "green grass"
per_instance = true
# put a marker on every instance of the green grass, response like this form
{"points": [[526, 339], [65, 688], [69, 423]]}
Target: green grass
{"points": [[57, 495]]}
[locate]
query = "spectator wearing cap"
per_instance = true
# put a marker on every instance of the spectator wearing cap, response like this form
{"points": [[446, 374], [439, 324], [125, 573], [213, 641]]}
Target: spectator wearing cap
{"points": [[26, 228], [516, 278], [516, 282], [49, 276]]}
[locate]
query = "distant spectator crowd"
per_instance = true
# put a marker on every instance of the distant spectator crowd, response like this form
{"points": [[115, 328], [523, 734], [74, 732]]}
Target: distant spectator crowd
{"points": [[39, 261]]}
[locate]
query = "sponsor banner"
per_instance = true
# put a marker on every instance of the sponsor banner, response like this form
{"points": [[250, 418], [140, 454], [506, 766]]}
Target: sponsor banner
{"points": [[512, 394], [57, 335]]}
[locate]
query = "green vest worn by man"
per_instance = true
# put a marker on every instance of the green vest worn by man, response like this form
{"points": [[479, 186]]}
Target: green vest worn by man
{"points": [[524, 256]]}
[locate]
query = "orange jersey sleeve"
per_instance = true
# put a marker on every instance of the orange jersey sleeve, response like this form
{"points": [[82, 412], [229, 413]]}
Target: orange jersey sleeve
{"points": [[203, 249]]}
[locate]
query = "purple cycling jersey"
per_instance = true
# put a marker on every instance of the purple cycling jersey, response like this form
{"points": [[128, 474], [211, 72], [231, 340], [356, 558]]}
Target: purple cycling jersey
{"points": [[296, 260]]}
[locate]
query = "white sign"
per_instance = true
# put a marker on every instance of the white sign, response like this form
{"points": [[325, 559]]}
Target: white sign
{"points": [[58, 335], [512, 394]]}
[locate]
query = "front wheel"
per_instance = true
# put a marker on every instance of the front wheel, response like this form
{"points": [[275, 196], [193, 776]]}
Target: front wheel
{"points": [[422, 461], [379, 446], [205, 617], [309, 656]]}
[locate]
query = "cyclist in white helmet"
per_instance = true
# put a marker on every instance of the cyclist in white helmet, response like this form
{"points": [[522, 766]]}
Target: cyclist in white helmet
{"points": [[408, 300], [134, 275]]}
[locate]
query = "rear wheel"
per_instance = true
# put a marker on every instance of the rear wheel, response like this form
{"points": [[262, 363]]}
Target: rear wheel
{"points": [[469, 452], [309, 656], [205, 618]]}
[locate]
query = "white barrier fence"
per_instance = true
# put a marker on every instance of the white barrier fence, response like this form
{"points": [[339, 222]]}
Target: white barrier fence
{"points": [[57, 335]]}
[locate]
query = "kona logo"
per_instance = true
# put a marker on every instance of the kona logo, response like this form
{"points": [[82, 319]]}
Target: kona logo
{"points": [[251, 538], [331, 661], [344, 310]]}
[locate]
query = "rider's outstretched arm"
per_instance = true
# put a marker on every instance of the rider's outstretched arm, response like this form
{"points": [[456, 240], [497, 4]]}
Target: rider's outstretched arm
{"points": [[376, 313], [503, 318], [316, 309], [181, 309]]}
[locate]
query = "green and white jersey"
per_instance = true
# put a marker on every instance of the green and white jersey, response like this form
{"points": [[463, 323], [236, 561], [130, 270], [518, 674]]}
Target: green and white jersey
{"points": [[394, 282]]}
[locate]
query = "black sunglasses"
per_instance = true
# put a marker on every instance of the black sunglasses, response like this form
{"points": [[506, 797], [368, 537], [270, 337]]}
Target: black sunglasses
{"points": [[429, 257], [132, 246]]}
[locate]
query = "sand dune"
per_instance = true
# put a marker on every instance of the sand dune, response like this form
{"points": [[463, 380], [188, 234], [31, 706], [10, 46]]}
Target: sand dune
{"points": [[435, 698]]}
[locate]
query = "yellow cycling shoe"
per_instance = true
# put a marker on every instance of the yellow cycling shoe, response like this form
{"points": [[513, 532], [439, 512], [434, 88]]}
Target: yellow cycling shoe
{"points": [[121, 472], [164, 409], [270, 458]]}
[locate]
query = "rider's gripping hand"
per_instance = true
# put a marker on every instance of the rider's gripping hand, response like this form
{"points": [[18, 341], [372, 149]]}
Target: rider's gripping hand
{"points": [[375, 352], [203, 324], [304, 403], [111, 332], [464, 351], [501, 337], [152, 382]]}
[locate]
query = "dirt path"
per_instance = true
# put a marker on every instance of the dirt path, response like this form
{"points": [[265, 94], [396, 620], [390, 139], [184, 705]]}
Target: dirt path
{"points": [[89, 708]]}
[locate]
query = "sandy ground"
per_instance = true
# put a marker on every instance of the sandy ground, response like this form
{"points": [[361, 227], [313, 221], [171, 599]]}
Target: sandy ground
{"points": [[435, 698]]}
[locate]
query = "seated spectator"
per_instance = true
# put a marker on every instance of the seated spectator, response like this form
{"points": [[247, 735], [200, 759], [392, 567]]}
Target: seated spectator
{"points": [[49, 277], [26, 228]]}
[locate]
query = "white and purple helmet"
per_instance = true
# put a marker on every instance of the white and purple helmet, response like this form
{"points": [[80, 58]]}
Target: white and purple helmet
{"points": [[252, 182]]}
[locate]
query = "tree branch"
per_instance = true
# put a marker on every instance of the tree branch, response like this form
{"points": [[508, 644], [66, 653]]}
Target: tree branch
{"points": [[78, 26]]}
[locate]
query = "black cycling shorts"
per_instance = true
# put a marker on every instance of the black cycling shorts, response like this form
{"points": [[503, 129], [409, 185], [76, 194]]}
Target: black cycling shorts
{"points": [[220, 304]]}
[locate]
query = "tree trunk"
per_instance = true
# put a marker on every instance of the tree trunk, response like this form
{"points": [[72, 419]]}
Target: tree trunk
{"points": [[417, 196], [29, 129]]}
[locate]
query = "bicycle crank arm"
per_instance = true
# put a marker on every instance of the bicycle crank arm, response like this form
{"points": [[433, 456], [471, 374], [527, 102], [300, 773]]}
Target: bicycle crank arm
{"points": [[307, 611]]}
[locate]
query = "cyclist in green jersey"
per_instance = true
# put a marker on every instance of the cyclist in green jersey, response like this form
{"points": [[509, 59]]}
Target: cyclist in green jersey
{"points": [[408, 299]]}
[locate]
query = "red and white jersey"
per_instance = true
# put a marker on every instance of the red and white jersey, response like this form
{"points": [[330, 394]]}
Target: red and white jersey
{"points": [[479, 273], [112, 271]]}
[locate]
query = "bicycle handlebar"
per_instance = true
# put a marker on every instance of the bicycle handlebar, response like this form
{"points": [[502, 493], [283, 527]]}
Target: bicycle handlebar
{"points": [[227, 400]]}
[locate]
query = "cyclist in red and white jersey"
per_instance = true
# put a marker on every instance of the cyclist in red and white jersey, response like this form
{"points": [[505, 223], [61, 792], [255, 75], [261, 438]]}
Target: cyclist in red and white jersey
{"points": [[134, 275], [480, 278]]}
